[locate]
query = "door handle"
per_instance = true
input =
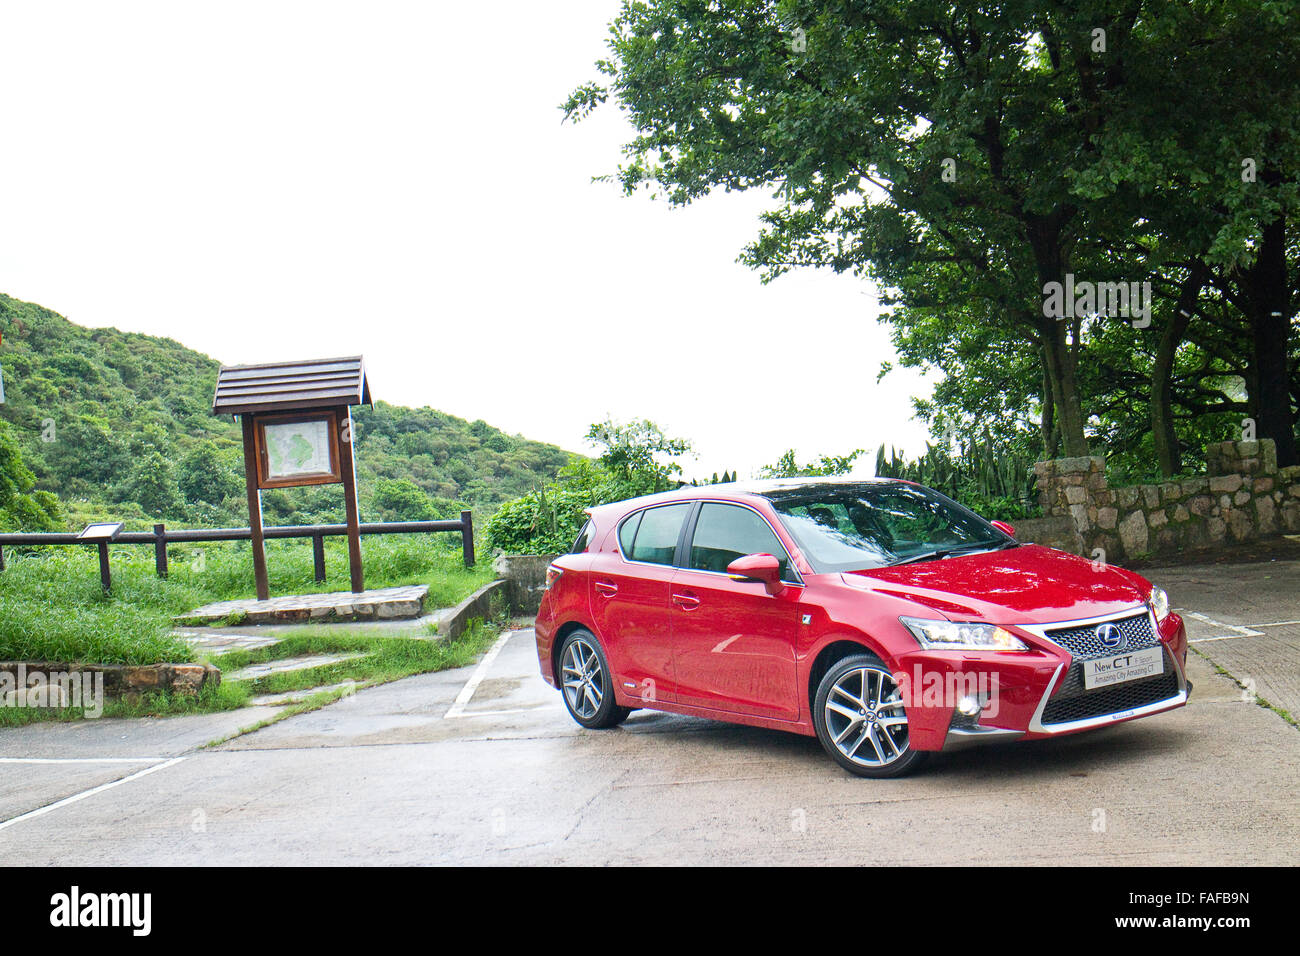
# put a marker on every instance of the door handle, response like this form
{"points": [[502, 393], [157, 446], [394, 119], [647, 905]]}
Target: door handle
{"points": [[606, 589], [687, 602]]}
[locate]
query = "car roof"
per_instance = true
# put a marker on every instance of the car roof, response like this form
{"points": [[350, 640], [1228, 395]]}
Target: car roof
{"points": [[731, 491]]}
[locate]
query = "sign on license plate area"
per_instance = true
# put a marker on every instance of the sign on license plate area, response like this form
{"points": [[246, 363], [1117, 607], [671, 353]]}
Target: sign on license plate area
{"points": [[1132, 665]]}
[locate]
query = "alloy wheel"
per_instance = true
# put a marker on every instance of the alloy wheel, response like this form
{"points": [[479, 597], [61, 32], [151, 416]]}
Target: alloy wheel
{"points": [[865, 717], [583, 678]]}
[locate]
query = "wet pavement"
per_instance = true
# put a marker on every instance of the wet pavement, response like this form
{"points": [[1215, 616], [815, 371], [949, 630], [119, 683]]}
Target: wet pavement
{"points": [[483, 765]]}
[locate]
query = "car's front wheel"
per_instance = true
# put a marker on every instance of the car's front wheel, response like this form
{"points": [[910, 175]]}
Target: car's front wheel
{"points": [[586, 683], [861, 720]]}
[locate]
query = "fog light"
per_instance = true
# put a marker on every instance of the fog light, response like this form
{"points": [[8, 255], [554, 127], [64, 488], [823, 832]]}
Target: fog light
{"points": [[968, 706]]}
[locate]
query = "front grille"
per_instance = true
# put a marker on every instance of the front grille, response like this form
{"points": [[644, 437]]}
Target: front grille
{"points": [[1084, 644], [1067, 706]]}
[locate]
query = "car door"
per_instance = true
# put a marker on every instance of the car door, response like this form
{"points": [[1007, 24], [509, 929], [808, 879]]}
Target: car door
{"points": [[630, 601], [733, 642]]}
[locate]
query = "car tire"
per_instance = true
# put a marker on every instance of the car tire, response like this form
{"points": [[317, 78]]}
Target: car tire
{"points": [[850, 717], [586, 683]]}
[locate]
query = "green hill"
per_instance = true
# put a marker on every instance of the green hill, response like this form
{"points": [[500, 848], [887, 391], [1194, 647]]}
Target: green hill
{"points": [[119, 424]]}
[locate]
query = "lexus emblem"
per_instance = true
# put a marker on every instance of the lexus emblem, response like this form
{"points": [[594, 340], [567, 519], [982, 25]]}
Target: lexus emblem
{"points": [[1111, 637]]}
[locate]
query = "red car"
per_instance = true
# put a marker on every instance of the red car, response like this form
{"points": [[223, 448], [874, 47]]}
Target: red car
{"points": [[880, 616]]}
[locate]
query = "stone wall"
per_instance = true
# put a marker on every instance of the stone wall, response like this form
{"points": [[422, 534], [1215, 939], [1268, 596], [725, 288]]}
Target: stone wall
{"points": [[525, 576], [1244, 498], [46, 681]]}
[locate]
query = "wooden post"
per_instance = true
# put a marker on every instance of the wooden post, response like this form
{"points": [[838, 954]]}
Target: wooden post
{"points": [[254, 510], [160, 549], [318, 556], [2, 559], [105, 578], [467, 537], [348, 467]]}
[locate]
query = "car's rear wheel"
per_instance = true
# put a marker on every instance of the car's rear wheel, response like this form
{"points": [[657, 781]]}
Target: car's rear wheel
{"points": [[586, 683], [861, 720]]}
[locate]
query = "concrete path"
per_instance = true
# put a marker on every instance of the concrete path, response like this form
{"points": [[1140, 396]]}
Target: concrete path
{"points": [[1245, 619], [483, 765]]}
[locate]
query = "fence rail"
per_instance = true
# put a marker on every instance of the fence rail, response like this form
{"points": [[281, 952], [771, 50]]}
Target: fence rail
{"points": [[160, 538]]}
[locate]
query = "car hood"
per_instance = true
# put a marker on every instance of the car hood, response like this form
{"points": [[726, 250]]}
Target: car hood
{"points": [[1030, 584]]}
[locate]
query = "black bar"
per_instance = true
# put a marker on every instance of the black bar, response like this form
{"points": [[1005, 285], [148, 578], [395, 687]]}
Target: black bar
{"points": [[160, 549], [105, 578], [467, 537], [318, 556]]}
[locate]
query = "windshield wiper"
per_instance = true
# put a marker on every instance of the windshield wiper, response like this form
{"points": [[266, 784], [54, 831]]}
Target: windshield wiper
{"points": [[945, 552]]}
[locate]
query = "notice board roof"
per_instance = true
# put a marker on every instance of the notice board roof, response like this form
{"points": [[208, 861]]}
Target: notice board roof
{"points": [[286, 386]]}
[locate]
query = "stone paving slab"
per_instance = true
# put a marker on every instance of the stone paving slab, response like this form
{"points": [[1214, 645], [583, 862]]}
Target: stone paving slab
{"points": [[288, 664], [381, 604], [217, 643]]}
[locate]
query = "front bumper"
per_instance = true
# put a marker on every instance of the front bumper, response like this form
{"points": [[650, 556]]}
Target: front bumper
{"points": [[1035, 694]]}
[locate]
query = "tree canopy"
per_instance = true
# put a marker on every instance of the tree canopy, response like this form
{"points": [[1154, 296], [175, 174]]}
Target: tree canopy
{"points": [[969, 158]]}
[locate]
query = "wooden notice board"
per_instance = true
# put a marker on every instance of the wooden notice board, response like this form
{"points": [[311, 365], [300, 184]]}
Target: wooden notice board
{"points": [[297, 429]]}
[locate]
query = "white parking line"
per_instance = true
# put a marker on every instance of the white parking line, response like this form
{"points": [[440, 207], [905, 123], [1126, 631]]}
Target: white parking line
{"points": [[81, 759], [457, 708], [41, 811], [1241, 631]]}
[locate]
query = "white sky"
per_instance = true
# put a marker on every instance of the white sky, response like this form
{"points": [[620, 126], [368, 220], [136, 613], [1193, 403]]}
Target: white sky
{"points": [[281, 180]]}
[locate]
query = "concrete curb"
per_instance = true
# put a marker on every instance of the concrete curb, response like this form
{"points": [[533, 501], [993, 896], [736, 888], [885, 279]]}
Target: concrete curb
{"points": [[480, 604]]}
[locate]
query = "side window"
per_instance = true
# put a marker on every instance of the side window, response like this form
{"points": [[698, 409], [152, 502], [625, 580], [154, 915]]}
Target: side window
{"points": [[724, 533], [584, 538], [627, 533], [656, 536]]}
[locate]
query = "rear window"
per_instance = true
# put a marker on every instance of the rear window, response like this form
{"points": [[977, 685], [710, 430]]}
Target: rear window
{"points": [[657, 534], [584, 538], [627, 533]]}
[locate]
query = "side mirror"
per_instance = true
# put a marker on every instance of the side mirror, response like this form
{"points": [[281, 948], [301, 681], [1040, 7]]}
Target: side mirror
{"points": [[758, 567], [1004, 528]]}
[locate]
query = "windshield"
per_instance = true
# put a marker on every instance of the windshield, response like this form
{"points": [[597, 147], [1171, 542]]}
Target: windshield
{"points": [[849, 527]]}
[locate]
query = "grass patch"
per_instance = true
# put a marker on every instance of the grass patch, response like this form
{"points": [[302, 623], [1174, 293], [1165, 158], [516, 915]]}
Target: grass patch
{"points": [[52, 608]]}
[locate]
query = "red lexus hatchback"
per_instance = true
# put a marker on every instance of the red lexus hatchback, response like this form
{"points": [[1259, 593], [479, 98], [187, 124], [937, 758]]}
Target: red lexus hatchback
{"points": [[880, 616]]}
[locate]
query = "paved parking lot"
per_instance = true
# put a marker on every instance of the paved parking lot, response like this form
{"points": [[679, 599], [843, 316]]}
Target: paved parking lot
{"points": [[483, 765]]}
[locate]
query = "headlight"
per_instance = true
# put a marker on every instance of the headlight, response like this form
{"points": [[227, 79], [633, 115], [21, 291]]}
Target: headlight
{"points": [[1159, 602], [959, 636]]}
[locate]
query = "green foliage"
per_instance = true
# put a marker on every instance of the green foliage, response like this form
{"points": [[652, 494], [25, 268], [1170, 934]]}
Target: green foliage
{"points": [[210, 474], [119, 425], [635, 459], [827, 465], [994, 480], [638, 456], [962, 157], [22, 509], [54, 608]]}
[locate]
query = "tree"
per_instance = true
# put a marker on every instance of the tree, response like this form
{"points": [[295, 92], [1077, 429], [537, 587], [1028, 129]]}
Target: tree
{"points": [[968, 158], [208, 474], [636, 459], [21, 508], [401, 500], [152, 484], [827, 465], [638, 455]]}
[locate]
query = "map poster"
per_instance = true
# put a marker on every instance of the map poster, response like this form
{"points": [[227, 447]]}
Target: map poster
{"points": [[297, 450]]}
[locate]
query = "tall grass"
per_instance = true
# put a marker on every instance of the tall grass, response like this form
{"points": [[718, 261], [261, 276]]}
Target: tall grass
{"points": [[52, 607]]}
